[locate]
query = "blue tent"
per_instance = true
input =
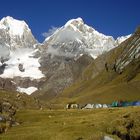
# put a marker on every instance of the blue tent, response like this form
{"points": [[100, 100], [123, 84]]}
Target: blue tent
{"points": [[114, 104], [136, 103]]}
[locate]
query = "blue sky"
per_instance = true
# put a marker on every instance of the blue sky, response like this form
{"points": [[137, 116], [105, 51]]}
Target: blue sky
{"points": [[111, 17]]}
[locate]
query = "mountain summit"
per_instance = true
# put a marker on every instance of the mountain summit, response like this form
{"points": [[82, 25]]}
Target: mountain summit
{"points": [[14, 34], [76, 38], [13, 26]]}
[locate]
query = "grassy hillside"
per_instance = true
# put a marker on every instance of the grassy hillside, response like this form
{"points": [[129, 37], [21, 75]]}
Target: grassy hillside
{"points": [[118, 123], [10, 103], [19, 100], [91, 92], [106, 87]]}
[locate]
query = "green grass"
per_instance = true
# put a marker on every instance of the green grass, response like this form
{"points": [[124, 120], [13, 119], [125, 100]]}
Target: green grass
{"points": [[105, 92], [73, 124]]}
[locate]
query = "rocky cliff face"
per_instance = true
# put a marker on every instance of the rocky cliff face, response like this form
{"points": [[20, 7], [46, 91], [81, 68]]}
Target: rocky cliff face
{"points": [[60, 73], [120, 59]]}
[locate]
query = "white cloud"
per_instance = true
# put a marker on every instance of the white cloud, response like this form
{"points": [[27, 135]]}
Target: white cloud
{"points": [[50, 32]]}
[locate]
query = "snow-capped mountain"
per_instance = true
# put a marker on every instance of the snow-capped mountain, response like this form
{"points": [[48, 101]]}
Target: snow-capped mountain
{"points": [[65, 54], [14, 34], [59, 60], [17, 51], [17, 46], [76, 38]]}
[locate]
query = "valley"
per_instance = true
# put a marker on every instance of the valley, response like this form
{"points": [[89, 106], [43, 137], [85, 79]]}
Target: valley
{"points": [[95, 124], [74, 65]]}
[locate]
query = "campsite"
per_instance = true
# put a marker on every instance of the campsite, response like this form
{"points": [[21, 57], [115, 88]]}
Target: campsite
{"points": [[98, 105], [73, 124], [70, 70]]}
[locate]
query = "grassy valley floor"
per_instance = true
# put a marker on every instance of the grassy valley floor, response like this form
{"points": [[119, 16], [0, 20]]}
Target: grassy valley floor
{"points": [[76, 124]]}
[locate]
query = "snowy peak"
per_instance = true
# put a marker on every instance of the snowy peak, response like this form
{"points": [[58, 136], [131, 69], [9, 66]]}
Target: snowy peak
{"points": [[17, 55], [78, 25], [75, 23], [15, 34], [15, 27], [76, 38], [119, 40]]}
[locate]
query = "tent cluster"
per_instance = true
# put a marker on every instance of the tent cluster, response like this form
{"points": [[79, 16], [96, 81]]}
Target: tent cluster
{"points": [[125, 103], [87, 106], [91, 106], [113, 104], [72, 106]]}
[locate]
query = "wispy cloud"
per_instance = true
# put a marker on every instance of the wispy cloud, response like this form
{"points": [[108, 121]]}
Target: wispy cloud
{"points": [[50, 31]]}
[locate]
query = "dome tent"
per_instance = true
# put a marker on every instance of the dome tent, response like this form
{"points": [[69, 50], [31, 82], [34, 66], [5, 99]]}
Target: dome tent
{"points": [[114, 104], [136, 103], [89, 106]]}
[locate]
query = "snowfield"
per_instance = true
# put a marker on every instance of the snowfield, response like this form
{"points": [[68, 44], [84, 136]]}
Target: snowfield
{"points": [[30, 64], [15, 27], [28, 90]]}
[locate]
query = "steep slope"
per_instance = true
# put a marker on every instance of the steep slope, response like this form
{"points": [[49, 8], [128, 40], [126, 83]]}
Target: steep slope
{"points": [[112, 76]]}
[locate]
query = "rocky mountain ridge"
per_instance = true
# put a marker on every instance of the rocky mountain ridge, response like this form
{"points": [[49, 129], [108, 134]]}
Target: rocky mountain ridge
{"points": [[52, 66]]}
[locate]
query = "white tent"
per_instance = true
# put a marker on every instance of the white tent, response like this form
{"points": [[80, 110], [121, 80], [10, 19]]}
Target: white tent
{"points": [[98, 106], [89, 106], [105, 106]]}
